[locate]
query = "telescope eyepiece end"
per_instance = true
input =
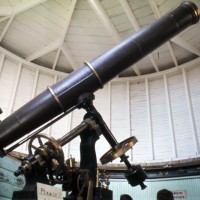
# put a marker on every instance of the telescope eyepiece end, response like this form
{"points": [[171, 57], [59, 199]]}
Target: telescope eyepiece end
{"points": [[195, 11]]}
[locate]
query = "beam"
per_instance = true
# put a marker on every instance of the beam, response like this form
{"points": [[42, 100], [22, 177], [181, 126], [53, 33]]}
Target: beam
{"points": [[129, 114], [136, 26], [170, 117], [136, 70], [47, 49], [69, 16], [95, 4], [150, 128], [158, 15], [6, 27], [155, 9], [4, 18], [56, 59], [172, 53], [130, 14], [153, 62], [57, 44], [31, 64], [37, 72], [63, 49], [19, 8], [2, 58], [108, 24], [103, 16], [182, 43], [191, 113], [67, 54], [14, 89]]}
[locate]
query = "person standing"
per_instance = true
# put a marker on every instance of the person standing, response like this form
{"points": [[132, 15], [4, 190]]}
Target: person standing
{"points": [[125, 197], [165, 194]]}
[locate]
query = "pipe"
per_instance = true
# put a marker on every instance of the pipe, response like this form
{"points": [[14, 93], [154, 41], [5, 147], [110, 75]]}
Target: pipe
{"points": [[92, 76]]}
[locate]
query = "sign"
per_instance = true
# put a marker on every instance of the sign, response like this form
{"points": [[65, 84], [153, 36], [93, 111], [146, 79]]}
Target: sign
{"points": [[48, 192], [180, 194]]}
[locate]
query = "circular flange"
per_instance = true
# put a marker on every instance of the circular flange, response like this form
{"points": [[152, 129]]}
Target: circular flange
{"points": [[118, 150]]}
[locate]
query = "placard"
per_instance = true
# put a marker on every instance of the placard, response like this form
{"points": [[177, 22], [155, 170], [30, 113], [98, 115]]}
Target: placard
{"points": [[180, 194], [48, 192]]}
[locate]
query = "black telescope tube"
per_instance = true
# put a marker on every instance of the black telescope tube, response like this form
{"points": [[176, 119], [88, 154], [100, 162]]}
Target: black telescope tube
{"points": [[92, 76]]}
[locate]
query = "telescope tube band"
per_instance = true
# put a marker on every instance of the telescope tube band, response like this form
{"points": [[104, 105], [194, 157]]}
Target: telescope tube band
{"points": [[95, 73], [56, 98]]}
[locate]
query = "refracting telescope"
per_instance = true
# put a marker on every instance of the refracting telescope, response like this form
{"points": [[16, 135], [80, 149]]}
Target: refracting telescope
{"points": [[76, 91]]}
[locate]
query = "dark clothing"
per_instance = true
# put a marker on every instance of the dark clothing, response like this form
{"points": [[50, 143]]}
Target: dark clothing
{"points": [[165, 195], [125, 197]]}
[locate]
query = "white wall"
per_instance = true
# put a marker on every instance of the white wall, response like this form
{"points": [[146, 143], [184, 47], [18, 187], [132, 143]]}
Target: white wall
{"points": [[161, 110]]}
